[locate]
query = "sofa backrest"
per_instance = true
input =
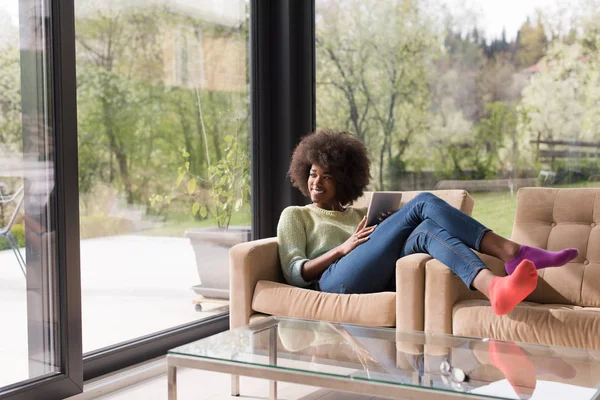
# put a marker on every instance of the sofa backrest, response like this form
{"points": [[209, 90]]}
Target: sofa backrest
{"points": [[554, 219], [456, 198]]}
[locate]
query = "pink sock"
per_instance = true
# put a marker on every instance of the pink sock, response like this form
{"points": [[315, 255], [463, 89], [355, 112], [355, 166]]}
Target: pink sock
{"points": [[514, 364], [508, 291], [541, 258]]}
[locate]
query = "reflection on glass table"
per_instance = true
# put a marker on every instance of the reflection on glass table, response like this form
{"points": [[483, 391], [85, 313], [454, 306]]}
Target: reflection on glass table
{"points": [[386, 362]]}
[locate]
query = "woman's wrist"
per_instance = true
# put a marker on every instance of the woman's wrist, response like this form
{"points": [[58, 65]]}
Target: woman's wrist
{"points": [[340, 252], [312, 269]]}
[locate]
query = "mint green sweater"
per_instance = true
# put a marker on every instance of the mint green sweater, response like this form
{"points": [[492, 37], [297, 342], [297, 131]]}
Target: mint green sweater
{"points": [[305, 233]]}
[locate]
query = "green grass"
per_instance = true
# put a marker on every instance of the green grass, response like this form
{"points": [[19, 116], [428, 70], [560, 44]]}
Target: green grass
{"points": [[496, 210]]}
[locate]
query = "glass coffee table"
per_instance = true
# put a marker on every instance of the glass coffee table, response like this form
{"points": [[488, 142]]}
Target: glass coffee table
{"points": [[389, 363]]}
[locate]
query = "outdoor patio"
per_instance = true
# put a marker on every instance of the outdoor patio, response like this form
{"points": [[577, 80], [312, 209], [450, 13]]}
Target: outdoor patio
{"points": [[131, 286]]}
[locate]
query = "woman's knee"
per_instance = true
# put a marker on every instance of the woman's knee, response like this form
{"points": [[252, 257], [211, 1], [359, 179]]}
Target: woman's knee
{"points": [[425, 196], [419, 239]]}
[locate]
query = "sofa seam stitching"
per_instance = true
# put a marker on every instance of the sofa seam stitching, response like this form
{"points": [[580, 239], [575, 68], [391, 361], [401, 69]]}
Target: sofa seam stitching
{"points": [[586, 247]]}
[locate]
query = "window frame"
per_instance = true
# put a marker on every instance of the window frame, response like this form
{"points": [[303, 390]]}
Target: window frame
{"points": [[60, 98]]}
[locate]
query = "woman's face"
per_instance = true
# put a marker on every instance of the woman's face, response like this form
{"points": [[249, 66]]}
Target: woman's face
{"points": [[321, 187]]}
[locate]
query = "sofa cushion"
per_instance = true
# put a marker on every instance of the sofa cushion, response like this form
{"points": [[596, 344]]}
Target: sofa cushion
{"points": [[554, 219], [376, 309], [552, 324]]}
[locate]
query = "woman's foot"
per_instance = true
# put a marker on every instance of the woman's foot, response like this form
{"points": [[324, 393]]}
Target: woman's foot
{"points": [[508, 291], [541, 258]]}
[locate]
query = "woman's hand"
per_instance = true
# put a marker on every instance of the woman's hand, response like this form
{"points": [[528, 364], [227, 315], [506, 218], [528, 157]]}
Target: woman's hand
{"points": [[313, 269], [359, 236], [384, 215]]}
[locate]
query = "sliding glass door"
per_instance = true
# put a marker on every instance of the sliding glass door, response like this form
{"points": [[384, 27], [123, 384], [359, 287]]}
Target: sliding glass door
{"points": [[40, 296]]}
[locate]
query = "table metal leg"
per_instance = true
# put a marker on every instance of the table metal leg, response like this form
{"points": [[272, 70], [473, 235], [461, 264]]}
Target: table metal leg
{"points": [[272, 390], [235, 385], [172, 379], [273, 361]]}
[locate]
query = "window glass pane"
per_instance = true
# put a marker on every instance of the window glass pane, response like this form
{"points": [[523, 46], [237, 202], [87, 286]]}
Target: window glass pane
{"points": [[28, 345], [484, 96], [164, 174]]}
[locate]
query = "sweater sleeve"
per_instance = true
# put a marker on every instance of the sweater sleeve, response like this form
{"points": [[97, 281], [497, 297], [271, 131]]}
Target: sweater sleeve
{"points": [[291, 237]]}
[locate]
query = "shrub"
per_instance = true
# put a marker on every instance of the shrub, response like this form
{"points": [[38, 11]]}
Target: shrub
{"points": [[18, 232], [228, 185]]}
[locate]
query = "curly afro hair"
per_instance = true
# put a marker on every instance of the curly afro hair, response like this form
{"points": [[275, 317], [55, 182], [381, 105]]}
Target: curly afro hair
{"points": [[342, 153]]}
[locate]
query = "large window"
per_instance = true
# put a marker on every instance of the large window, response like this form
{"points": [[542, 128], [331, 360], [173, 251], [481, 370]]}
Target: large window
{"points": [[164, 162], [162, 95], [483, 96], [40, 344], [125, 144]]}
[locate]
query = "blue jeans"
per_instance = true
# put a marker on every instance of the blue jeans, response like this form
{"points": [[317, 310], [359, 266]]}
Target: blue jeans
{"points": [[426, 224]]}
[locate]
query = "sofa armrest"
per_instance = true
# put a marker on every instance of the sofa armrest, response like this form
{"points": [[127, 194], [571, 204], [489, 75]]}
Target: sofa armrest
{"points": [[443, 289], [250, 262], [410, 292]]}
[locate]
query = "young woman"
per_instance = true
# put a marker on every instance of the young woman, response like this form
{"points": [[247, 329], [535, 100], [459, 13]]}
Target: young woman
{"points": [[326, 245]]}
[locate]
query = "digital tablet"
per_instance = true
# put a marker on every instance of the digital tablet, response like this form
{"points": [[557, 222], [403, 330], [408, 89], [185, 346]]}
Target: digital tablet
{"points": [[382, 202]]}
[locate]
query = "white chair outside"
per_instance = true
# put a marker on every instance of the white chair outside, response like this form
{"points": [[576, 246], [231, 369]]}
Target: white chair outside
{"points": [[5, 232]]}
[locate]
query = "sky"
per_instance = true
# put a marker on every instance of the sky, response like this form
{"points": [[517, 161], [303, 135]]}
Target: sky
{"points": [[225, 7], [498, 14], [11, 7], [492, 15]]}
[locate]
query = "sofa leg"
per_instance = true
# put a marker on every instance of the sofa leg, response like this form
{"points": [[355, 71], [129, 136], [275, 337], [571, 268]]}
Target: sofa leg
{"points": [[235, 385]]}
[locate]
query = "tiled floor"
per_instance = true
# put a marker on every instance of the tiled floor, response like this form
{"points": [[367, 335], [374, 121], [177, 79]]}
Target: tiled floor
{"points": [[202, 385]]}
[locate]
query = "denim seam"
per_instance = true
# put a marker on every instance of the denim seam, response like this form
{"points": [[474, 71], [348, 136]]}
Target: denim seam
{"points": [[477, 268]]}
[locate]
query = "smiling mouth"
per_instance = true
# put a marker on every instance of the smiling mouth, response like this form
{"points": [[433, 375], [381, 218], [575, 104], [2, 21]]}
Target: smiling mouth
{"points": [[317, 191]]}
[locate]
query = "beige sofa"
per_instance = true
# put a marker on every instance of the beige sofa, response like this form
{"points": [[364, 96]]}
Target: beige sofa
{"points": [[257, 286], [564, 310]]}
